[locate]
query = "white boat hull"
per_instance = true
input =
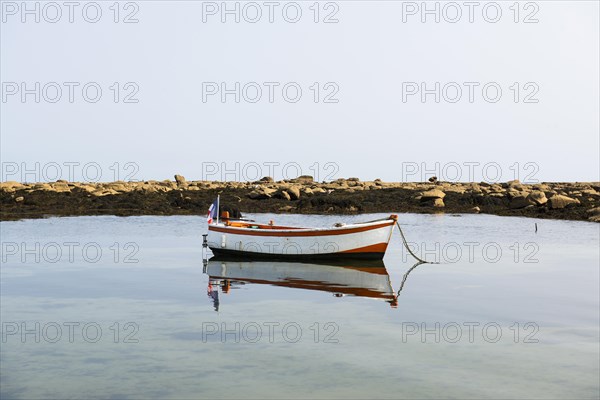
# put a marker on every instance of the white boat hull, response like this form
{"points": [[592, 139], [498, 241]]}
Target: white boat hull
{"points": [[356, 241]]}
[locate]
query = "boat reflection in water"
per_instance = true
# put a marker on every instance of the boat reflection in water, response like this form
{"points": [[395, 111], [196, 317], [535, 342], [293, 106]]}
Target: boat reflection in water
{"points": [[362, 279]]}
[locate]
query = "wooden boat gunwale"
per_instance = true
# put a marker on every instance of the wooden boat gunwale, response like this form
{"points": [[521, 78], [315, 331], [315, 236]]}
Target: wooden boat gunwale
{"points": [[253, 229]]}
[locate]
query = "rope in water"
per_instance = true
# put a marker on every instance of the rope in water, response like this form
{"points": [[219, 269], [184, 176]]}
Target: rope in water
{"points": [[408, 248], [406, 276]]}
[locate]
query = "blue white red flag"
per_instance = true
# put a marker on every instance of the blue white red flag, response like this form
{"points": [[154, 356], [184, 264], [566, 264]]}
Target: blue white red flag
{"points": [[213, 211]]}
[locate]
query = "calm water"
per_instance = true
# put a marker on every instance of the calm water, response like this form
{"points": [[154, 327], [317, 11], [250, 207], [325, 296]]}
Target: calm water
{"points": [[509, 313]]}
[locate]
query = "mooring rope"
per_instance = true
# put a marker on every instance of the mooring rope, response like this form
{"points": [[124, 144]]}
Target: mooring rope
{"points": [[408, 248], [406, 276]]}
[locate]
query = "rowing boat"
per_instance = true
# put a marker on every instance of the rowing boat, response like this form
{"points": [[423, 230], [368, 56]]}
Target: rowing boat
{"points": [[250, 240]]}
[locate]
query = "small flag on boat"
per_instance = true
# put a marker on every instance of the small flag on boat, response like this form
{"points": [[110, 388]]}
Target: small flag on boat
{"points": [[213, 211]]}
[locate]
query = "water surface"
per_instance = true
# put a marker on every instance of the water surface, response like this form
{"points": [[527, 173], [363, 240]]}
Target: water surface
{"points": [[509, 313]]}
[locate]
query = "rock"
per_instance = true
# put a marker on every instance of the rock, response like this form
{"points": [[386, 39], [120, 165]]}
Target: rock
{"points": [[353, 180], [284, 195], [266, 179], [307, 191], [438, 203], [261, 193], [455, 189], [167, 184], [43, 186], [559, 201], [119, 187], [149, 188], [511, 192], [594, 218], [520, 202], [378, 182], [60, 187], [179, 179], [257, 195], [287, 208], [304, 179], [294, 192], [475, 210], [87, 188], [474, 188], [433, 194], [318, 190], [103, 192], [11, 184], [19, 199], [432, 202], [538, 197], [433, 179]]}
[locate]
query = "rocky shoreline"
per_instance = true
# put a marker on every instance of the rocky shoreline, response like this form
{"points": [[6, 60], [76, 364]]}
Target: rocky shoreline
{"points": [[572, 201]]}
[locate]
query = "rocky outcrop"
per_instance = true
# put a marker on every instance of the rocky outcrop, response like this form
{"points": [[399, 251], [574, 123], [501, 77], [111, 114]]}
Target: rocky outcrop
{"points": [[577, 201]]}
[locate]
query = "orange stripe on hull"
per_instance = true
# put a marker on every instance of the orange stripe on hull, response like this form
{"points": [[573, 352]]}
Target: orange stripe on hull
{"points": [[255, 232], [374, 248]]}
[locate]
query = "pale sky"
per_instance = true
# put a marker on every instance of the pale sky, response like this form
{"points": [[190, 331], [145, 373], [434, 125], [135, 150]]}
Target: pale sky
{"points": [[372, 66]]}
